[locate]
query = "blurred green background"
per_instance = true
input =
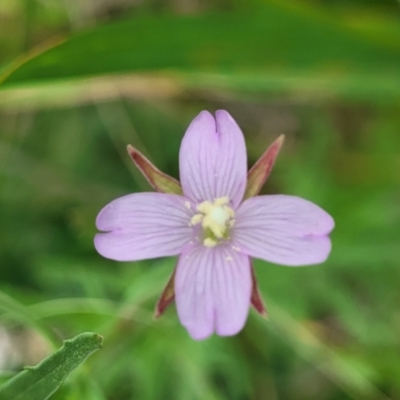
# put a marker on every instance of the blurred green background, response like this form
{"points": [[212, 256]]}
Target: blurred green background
{"points": [[81, 80]]}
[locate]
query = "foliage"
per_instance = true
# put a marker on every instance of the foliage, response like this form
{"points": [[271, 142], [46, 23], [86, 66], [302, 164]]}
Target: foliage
{"points": [[41, 381]]}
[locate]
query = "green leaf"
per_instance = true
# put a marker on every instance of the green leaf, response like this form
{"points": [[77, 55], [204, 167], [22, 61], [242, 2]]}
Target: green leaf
{"points": [[275, 47], [41, 381]]}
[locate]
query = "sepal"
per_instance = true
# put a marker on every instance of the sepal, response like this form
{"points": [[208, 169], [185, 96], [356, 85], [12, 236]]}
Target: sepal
{"points": [[166, 298], [256, 299], [158, 180], [260, 171]]}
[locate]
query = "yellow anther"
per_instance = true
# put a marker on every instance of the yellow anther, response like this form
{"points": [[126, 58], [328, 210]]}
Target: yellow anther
{"points": [[215, 218], [216, 228], [222, 201], [196, 219], [230, 212], [205, 207], [209, 242]]}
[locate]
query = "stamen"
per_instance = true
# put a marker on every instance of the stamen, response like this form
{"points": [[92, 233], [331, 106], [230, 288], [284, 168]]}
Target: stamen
{"points": [[221, 201], [216, 219], [205, 207], [209, 242], [196, 219]]}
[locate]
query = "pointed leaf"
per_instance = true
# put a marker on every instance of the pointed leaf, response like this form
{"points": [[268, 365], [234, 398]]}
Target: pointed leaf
{"points": [[273, 47], [41, 381], [157, 179], [260, 171], [166, 297], [256, 299]]}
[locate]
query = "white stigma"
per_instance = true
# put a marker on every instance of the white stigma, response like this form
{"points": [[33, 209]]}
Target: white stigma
{"points": [[215, 219], [219, 215]]}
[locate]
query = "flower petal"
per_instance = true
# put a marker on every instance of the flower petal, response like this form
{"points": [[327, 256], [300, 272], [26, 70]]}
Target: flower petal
{"points": [[213, 161], [282, 229], [143, 225], [212, 290]]}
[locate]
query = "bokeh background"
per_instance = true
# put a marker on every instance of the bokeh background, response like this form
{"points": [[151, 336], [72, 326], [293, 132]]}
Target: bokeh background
{"points": [[79, 80]]}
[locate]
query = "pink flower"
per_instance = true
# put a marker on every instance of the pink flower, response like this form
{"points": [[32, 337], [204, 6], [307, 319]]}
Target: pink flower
{"points": [[214, 227]]}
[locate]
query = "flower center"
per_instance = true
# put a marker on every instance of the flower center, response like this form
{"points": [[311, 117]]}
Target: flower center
{"points": [[216, 218]]}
